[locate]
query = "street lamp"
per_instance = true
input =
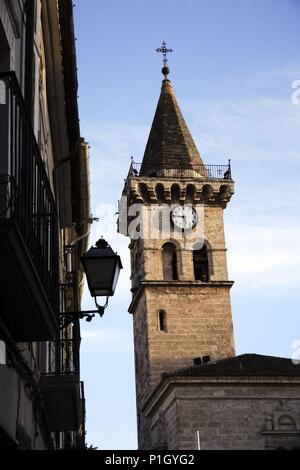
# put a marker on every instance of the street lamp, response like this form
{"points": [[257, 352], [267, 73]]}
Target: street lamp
{"points": [[102, 268]]}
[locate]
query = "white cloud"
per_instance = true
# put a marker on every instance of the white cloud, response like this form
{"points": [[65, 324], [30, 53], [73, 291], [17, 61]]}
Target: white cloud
{"points": [[261, 130], [112, 145], [264, 257]]}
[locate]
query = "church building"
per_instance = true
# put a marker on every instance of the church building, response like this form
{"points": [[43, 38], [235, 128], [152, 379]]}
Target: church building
{"points": [[193, 392]]}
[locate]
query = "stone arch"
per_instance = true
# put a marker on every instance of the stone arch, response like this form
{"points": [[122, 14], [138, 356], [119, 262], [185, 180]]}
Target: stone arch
{"points": [[190, 192], [175, 192], [170, 261], [224, 191], [207, 192], [160, 192], [224, 188], [202, 254], [286, 422], [144, 192]]}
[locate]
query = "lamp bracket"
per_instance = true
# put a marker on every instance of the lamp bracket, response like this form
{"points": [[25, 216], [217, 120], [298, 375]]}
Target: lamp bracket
{"points": [[69, 317], [101, 308]]}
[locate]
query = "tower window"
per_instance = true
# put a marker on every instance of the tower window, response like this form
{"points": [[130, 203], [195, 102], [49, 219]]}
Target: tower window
{"points": [[162, 320], [201, 268], [287, 422], [170, 262]]}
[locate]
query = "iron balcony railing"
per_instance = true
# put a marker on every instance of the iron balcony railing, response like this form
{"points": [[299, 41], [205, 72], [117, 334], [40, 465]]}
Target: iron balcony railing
{"points": [[63, 357], [26, 196], [207, 172]]}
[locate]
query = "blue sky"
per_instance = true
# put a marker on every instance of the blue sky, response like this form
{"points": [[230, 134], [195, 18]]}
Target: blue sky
{"points": [[232, 71]]}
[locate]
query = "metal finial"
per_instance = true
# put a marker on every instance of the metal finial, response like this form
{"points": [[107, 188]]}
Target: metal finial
{"points": [[163, 49]]}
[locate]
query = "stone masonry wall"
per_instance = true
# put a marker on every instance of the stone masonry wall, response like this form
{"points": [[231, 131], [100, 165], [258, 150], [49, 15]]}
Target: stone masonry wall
{"points": [[198, 322], [229, 417], [141, 352]]}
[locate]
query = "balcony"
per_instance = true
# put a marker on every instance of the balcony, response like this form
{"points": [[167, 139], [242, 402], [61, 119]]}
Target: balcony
{"points": [[201, 184], [208, 173], [60, 386], [29, 251]]}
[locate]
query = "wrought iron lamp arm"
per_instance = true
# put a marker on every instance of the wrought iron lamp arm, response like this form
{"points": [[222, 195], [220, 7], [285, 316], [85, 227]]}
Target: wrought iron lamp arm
{"points": [[87, 314]]}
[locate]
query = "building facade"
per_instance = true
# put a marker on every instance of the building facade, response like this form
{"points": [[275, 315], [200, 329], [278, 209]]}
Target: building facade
{"points": [[44, 224], [192, 391]]}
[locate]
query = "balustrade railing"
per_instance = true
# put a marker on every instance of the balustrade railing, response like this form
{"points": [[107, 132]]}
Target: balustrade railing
{"points": [[26, 197]]}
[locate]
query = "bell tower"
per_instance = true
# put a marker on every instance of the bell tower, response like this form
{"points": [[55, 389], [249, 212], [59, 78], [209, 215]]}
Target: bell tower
{"points": [[172, 209]]}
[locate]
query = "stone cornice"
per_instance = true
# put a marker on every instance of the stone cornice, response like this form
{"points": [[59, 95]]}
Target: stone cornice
{"points": [[210, 192], [168, 384], [175, 285]]}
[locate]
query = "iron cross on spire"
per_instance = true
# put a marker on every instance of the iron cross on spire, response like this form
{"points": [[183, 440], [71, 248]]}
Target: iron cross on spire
{"points": [[163, 49]]}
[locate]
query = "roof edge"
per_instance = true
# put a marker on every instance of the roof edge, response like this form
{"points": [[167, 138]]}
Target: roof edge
{"points": [[170, 380]]}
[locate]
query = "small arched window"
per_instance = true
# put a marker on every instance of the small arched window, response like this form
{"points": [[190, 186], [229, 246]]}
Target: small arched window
{"points": [[162, 320], [201, 267], [175, 192], [169, 257], [287, 422]]}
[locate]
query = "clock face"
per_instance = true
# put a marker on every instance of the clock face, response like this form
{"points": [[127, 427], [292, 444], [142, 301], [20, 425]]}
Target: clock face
{"points": [[184, 217]]}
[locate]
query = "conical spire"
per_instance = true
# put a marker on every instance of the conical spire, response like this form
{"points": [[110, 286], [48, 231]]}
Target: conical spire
{"points": [[170, 144]]}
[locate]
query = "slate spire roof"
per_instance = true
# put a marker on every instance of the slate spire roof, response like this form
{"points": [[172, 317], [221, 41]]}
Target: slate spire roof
{"points": [[170, 144]]}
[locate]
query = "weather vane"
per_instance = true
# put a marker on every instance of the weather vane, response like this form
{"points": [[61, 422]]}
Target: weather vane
{"points": [[163, 49]]}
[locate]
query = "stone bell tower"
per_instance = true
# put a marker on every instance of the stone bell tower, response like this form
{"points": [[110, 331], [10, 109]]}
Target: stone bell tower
{"points": [[180, 288]]}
